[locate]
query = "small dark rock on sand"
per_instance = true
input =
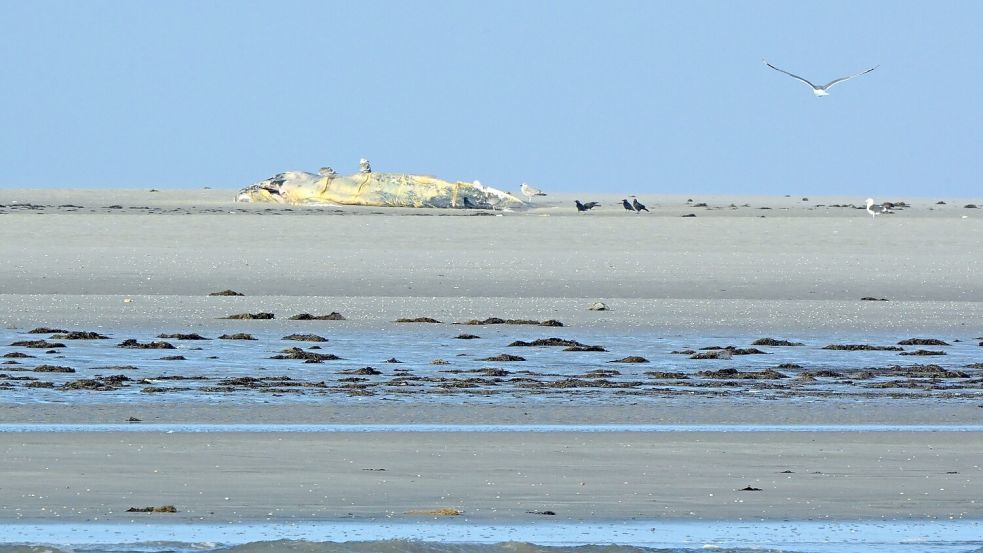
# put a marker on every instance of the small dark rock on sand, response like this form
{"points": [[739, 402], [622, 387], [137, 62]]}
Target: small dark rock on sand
{"points": [[861, 347], [251, 316], [310, 356], [181, 337], [871, 298], [133, 344], [419, 320], [689, 215], [546, 342], [971, 206], [333, 316], [923, 352], [749, 489], [660, 375], [53, 369], [79, 335], [161, 509], [584, 348], [38, 344], [498, 321], [922, 342], [237, 336], [727, 374], [466, 336], [630, 359], [774, 342], [546, 513], [46, 330], [305, 338], [226, 293], [504, 357]]}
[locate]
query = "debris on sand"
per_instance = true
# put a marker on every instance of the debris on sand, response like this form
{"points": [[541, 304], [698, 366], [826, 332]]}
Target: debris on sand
{"points": [[546, 342], [305, 338], [226, 293], [419, 320], [630, 359], [774, 342], [310, 356], [46, 330], [504, 357], [161, 509], [584, 348], [498, 321], [133, 344], [97, 384], [922, 342], [181, 337], [442, 512], [730, 374], [333, 316], [660, 375], [38, 344], [79, 335], [251, 316], [237, 336], [861, 347], [53, 369]]}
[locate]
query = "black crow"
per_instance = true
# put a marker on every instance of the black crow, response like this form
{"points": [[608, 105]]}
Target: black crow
{"points": [[628, 206], [639, 206], [585, 207]]}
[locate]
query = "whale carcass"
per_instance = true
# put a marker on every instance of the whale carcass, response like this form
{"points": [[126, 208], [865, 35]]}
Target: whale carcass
{"points": [[367, 188]]}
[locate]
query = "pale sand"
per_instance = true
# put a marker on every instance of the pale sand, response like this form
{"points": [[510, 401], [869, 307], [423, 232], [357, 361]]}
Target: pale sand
{"points": [[800, 269], [498, 477]]}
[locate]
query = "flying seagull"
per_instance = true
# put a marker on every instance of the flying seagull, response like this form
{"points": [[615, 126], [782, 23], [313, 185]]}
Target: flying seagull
{"points": [[875, 209], [639, 206], [627, 206], [530, 191], [585, 207], [821, 90]]}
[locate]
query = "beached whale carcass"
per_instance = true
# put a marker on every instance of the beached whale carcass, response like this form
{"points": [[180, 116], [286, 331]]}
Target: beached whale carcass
{"points": [[375, 189]]}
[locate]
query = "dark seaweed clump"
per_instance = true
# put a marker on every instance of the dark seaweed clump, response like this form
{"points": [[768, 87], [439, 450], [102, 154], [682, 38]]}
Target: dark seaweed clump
{"points": [[251, 316], [333, 316], [774, 342], [133, 344], [419, 320], [861, 347], [922, 342]]}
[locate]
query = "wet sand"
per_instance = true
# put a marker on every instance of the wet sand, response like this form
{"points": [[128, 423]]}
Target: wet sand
{"points": [[490, 477], [150, 263]]}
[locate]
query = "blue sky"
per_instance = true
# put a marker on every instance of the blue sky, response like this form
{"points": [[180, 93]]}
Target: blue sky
{"points": [[610, 97]]}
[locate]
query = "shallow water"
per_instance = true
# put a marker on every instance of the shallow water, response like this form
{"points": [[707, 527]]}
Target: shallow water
{"points": [[453, 537], [548, 373]]}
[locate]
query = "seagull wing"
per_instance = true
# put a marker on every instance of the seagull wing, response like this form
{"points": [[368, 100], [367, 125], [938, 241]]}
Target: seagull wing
{"points": [[791, 75], [841, 79]]}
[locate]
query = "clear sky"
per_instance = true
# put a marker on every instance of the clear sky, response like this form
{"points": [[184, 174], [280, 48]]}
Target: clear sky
{"points": [[613, 97]]}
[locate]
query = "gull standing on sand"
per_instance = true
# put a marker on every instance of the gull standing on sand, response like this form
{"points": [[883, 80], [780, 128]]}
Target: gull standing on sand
{"points": [[875, 209], [821, 90], [530, 191]]}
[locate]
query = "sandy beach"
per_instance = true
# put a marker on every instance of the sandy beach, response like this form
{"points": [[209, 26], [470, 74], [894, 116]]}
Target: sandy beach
{"points": [[123, 261], [221, 477]]}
